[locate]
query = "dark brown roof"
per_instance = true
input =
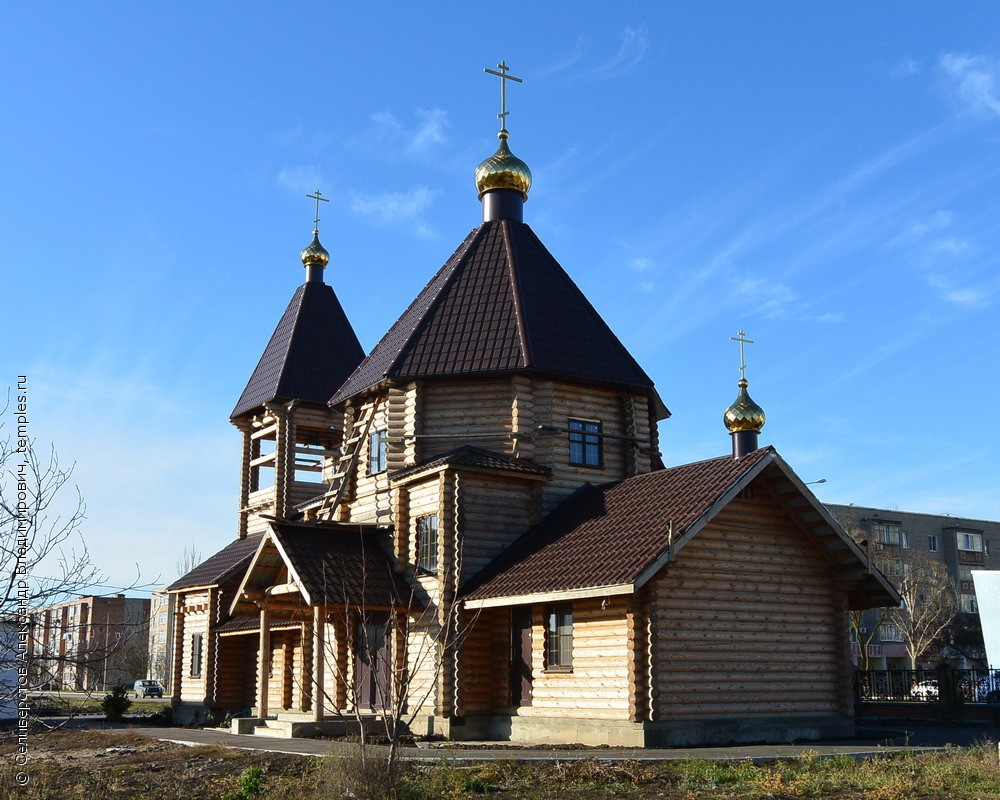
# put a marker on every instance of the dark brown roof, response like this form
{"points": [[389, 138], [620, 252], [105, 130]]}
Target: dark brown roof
{"points": [[476, 458], [215, 569], [311, 352], [341, 564], [501, 305], [246, 624], [617, 534]]}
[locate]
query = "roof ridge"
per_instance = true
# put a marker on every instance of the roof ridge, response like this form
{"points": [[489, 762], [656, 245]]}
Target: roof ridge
{"points": [[453, 272], [295, 329], [520, 318]]}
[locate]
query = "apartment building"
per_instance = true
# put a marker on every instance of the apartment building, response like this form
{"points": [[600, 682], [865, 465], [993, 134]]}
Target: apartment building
{"points": [[161, 637], [90, 643], [961, 544]]}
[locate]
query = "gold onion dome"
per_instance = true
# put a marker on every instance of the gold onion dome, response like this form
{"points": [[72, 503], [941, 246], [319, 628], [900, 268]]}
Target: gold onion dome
{"points": [[744, 414], [503, 170], [315, 253]]}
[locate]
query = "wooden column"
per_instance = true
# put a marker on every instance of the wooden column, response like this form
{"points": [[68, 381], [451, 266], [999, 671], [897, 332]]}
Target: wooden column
{"points": [[263, 661], [246, 476], [306, 683], [318, 662]]}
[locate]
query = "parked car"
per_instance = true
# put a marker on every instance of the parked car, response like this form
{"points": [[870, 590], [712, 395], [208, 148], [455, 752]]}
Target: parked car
{"points": [[144, 687], [925, 690], [987, 690]]}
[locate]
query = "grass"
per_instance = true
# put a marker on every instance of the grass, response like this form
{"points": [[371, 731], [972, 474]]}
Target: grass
{"points": [[79, 764]]}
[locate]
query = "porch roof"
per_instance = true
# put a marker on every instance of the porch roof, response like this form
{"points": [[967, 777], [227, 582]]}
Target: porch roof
{"points": [[327, 564]]}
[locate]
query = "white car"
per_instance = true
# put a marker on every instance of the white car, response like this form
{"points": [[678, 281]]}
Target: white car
{"points": [[145, 687], [925, 690]]}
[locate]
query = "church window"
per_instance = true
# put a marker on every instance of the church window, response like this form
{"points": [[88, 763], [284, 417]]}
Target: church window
{"points": [[196, 640], [585, 443], [427, 543], [378, 447], [559, 637]]}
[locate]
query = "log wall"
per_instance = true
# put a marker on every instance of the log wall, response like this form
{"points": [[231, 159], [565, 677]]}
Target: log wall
{"points": [[495, 512], [194, 608], [745, 622], [598, 685], [471, 412]]}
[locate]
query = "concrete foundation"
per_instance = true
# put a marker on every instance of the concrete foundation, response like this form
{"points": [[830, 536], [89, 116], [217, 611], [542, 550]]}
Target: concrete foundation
{"points": [[666, 733]]}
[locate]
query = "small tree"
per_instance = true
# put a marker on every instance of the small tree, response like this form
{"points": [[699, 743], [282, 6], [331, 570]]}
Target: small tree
{"points": [[929, 605]]}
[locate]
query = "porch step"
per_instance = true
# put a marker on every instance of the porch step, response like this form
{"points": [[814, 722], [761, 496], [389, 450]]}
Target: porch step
{"points": [[271, 729]]}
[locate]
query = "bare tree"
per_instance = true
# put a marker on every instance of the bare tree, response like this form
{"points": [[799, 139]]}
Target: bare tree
{"points": [[44, 559], [190, 558], [929, 605]]}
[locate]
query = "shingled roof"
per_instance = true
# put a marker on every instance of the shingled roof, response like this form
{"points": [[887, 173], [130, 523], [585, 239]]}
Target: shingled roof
{"points": [[217, 568], [311, 352], [501, 305], [475, 458], [616, 536], [331, 563]]}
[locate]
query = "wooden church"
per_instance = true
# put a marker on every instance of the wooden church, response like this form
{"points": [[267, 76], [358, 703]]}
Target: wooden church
{"points": [[471, 528]]}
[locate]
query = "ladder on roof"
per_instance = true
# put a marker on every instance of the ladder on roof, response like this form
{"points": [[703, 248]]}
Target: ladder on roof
{"points": [[351, 449]]}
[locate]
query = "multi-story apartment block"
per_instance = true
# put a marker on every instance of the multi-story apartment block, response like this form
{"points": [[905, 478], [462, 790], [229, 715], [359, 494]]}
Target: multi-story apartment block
{"points": [[962, 545], [91, 643], [161, 637]]}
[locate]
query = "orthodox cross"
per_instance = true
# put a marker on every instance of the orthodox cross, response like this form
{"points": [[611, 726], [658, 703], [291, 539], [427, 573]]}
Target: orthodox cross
{"points": [[504, 77], [317, 197], [741, 338]]}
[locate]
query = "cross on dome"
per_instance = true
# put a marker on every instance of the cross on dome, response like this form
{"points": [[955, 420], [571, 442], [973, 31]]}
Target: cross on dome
{"points": [[741, 338], [317, 196], [504, 77]]}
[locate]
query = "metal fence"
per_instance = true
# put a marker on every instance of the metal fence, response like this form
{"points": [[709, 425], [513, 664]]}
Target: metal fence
{"points": [[929, 685]]}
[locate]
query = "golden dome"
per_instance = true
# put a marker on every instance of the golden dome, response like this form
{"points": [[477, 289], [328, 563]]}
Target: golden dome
{"points": [[315, 253], [503, 170], [744, 414]]}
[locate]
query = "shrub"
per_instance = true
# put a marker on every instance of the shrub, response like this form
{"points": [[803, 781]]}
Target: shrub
{"points": [[116, 703]]}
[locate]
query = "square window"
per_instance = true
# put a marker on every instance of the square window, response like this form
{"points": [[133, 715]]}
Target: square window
{"points": [[378, 447], [559, 637], [970, 542], [427, 543], [585, 443]]}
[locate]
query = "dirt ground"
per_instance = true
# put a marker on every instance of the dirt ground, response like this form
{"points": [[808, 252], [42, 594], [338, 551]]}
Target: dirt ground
{"points": [[113, 765]]}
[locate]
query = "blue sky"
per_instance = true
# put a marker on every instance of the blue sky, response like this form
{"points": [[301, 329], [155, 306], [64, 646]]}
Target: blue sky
{"points": [[825, 177]]}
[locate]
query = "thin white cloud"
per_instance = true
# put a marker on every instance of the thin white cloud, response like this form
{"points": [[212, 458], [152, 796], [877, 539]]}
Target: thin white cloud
{"points": [[398, 208], [630, 52], [421, 138], [919, 229], [303, 178], [565, 63], [969, 296], [975, 81], [640, 264], [906, 68]]}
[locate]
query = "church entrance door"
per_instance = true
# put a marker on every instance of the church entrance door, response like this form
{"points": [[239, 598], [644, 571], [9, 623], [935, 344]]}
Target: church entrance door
{"points": [[373, 667], [520, 656]]}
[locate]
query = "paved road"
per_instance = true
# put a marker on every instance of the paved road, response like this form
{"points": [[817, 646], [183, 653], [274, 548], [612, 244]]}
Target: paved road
{"points": [[875, 743]]}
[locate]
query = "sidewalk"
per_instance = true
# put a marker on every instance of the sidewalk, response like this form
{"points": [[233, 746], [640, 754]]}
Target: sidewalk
{"points": [[916, 738]]}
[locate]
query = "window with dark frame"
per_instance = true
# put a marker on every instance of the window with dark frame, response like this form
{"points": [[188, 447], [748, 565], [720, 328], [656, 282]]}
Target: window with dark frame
{"points": [[196, 642], [559, 637], [585, 443], [378, 448], [427, 543]]}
